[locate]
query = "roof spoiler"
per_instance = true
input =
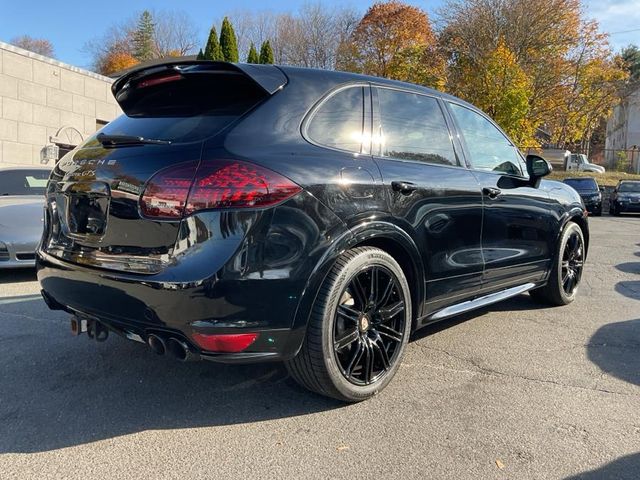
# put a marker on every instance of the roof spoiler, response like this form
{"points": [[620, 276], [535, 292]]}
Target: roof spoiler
{"points": [[268, 77]]}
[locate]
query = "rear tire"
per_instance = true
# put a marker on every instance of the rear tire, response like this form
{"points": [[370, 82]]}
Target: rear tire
{"points": [[565, 276], [358, 329]]}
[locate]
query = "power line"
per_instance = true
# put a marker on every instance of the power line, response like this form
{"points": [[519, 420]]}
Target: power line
{"points": [[625, 31]]}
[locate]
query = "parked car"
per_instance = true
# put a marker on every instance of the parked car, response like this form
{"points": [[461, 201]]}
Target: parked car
{"points": [[21, 214], [244, 213], [580, 163], [590, 193], [625, 198]]}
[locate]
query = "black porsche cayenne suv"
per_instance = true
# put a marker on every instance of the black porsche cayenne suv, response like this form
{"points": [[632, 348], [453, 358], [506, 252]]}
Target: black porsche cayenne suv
{"points": [[242, 213]]}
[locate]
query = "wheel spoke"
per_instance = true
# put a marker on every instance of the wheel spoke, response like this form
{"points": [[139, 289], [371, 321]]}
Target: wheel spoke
{"points": [[382, 352], [368, 361], [389, 333], [359, 292], [355, 359], [391, 311], [348, 313], [387, 293], [373, 296], [346, 339]]}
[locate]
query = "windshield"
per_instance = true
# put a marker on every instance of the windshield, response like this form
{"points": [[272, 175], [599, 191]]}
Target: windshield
{"points": [[23, 182], [629, 187], [582, 184]]}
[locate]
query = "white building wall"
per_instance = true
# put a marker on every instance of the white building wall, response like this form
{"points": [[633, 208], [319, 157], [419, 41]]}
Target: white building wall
{"points": [[41, 98]]}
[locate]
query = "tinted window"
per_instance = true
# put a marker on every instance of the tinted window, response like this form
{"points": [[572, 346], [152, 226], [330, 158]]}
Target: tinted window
{"points": [[582, 183], [23, 182], [488, 147], [339, 121], [186, 109], [629, 187], [413, 128]]}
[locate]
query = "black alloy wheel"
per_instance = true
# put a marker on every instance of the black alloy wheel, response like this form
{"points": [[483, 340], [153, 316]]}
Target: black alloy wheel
{"points": [[358, 329], [572, 262], [564, 278], [369, 326]]}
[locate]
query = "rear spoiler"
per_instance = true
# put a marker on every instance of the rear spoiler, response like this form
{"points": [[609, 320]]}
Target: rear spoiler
{"points": [[268, 77]]}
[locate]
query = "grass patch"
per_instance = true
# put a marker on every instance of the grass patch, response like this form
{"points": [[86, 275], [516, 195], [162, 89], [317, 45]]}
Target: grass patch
{"points": [[607, 179]]}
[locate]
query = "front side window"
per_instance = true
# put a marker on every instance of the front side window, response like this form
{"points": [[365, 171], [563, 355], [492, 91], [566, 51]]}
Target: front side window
{"points": [[339, 121], [490, 150], [413, 128]]}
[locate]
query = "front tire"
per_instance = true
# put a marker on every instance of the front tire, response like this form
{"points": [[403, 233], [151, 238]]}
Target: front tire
{"points": [[565, 276], [358, 329]]}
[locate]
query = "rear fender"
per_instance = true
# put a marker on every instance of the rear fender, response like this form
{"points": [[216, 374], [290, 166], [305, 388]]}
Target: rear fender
{"points": [[370, 233]]}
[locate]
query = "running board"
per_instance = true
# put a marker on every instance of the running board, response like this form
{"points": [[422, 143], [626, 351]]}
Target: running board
{"points": [[481, 302]]}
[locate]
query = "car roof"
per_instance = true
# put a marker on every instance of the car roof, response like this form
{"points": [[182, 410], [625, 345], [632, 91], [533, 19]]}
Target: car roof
{"points": [[345, 77], [580, 178], [628, 181]]}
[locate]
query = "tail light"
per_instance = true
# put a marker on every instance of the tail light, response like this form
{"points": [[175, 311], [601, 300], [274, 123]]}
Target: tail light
{"points": [[217, 184], [225, 343]]}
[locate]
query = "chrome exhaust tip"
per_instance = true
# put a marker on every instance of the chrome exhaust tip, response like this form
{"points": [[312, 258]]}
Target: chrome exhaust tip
{"points": [[156, 344], [181, 350]]}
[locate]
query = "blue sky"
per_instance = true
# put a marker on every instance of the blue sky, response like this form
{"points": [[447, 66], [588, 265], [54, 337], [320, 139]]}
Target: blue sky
{"points": [[69, 24]]}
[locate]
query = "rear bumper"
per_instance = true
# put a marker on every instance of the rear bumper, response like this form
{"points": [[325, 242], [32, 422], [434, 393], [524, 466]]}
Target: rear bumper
{"points": [[245, 281], [167, 309]]}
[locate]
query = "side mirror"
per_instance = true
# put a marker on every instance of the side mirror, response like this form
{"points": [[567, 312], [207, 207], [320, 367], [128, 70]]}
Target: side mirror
{"points": [[537, 167], [601, 189]]}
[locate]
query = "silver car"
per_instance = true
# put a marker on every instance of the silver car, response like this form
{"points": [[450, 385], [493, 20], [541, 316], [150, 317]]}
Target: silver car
{"points": [[21, 214]]}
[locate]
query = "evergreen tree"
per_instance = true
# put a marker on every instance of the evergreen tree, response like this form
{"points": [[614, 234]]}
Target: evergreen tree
{"points": [[212, 50], [200, 55], [143, 43], [253, 54], [228, 42], [266, 52]]}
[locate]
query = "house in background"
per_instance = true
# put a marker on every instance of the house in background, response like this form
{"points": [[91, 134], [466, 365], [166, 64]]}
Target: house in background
{"points": [[48, 107], [623, 133]]}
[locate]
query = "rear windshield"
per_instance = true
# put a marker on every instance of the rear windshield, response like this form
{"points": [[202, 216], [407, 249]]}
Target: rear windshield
{"points": [[23, 182], [184, 108], [629, 187], [582, 183]]}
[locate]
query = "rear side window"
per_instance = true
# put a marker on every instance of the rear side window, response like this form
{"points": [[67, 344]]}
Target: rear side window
{"points": [[184, 108], [413, 128], [339, 121], [23, 182]]}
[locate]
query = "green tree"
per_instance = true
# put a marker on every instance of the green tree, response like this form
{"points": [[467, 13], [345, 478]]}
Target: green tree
{"points": [[143, 38], [228, 42], [200, 55], [212, 51], [631, 57], [253, 55], [266, 52]]}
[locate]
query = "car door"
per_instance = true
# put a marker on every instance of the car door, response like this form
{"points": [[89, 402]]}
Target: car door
{"points": [[431, 193], [519, 220]]}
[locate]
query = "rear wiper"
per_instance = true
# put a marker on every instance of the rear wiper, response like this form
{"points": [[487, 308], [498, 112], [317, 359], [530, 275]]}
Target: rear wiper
{"points": [[124, 140]]}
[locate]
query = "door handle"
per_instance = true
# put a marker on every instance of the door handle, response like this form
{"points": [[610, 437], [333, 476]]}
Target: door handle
{"points": [[405, 188], [492, 192]]}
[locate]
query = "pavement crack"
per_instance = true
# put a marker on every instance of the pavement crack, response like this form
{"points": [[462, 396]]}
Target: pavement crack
{"points": [[477, 368]]}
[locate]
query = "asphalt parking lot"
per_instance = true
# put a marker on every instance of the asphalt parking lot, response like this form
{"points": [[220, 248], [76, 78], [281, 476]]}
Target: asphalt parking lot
{"points": [[516, 391]]}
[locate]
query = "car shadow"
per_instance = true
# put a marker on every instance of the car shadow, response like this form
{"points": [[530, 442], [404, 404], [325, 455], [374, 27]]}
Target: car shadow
{"points": [[15, 275], [58, 391], [615, 349], [629, 267], [623, 468]]}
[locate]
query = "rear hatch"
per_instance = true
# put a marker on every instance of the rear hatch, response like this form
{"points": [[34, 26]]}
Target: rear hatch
{"points": [[95, 214]]}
